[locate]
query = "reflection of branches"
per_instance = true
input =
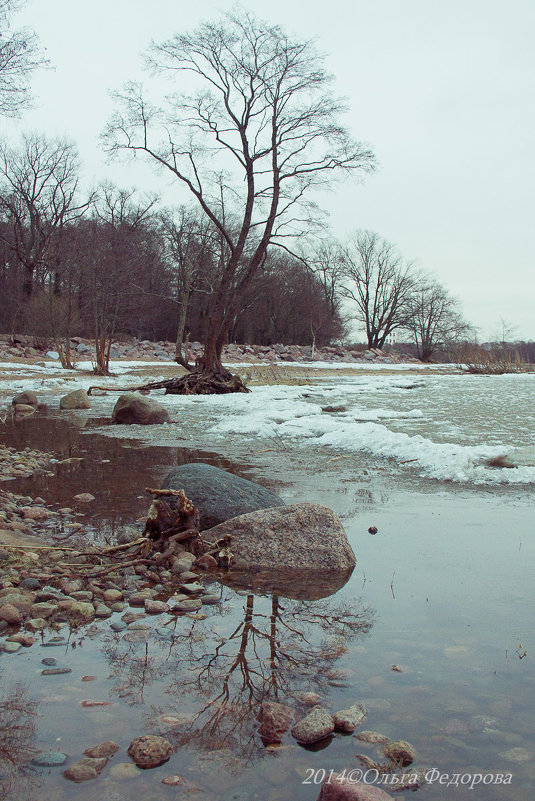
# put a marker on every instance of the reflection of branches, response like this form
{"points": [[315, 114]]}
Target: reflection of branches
{"points": [[17, 731], [222, 670]]}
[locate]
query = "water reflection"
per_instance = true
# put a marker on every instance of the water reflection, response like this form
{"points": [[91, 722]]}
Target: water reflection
{"points": [[215, 673], [18, 712]]}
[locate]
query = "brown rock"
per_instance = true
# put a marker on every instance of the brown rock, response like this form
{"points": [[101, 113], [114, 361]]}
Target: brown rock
{"points": [[106, 749], [35, 513], [23, 410], [28, 398], [275, 719], [133, 408], [150, 751], [205, 562], [155, 607], [10, 614], [84, 497]]}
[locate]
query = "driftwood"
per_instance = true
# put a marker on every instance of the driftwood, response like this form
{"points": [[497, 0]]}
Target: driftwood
{"points": [[197, 382]]}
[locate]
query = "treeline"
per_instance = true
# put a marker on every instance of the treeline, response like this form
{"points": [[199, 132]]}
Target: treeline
{"points": [[113, 262]]}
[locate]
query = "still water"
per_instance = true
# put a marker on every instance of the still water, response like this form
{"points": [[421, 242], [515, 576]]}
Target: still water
{"points": [[444, 591]]}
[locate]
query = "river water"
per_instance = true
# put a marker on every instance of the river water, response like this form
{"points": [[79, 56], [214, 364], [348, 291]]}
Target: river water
{"points": [[444, 590]]}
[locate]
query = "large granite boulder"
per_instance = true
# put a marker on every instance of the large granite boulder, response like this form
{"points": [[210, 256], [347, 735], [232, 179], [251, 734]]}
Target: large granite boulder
{"points": [[218, 494], [78, 399], [133, 408], [301, 537]]}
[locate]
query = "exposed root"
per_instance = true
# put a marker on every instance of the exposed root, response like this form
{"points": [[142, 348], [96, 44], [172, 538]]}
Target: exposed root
{"points": [[198, 382]]}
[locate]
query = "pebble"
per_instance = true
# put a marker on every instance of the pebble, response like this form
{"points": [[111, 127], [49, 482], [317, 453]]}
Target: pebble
{"points": [[191, 589], [84, 497], [118, 625], [49, 661], [106, 749], [139, 635], [191, 605], [55, 671], [150, 751], [155, 607]]}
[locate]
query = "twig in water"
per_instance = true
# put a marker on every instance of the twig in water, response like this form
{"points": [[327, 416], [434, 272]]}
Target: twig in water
{"points": [[392, 584]]}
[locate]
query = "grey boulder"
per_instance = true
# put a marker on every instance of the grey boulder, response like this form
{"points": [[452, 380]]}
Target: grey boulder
{"points": [[218, 494], [133, 408], [304, 536]]}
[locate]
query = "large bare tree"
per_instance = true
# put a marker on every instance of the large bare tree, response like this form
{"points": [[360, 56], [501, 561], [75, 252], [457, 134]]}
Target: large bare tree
{"points": [[20, 55], [380, 284], [38, 197], [260, 131]]}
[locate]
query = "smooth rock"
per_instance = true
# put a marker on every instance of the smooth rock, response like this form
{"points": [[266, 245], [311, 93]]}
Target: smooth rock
{"points": [[43, 610], [315, 726], [27, 398], [218, 494], [347, 720], [123, 771], [304, 536], [10, 614], [106, 749], [118, 625], [78, 399], [133, 408], [275, 719], [10, 647], [84, 497], [189, 605], [150, 751], [155, 607]]}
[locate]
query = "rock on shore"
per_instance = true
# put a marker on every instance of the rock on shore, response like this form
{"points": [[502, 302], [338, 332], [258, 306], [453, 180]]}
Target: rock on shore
{"points": [[304, 536], [134, 408], [217, 494]]}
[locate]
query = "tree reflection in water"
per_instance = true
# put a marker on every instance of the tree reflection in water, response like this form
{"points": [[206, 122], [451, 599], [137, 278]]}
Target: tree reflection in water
{"points": [[17, 734], [278, 649]]}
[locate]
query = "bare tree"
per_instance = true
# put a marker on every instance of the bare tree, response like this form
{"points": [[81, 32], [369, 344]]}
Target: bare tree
{"points": [[38, 197], [261, 131], [190, 238], [435, 319], [380, 283], [19, 57]]}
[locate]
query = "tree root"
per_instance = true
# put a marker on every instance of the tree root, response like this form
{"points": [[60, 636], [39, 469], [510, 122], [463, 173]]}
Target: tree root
{"points": [[198, 382]]}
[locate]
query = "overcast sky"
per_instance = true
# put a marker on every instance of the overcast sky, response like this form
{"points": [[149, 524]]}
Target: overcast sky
{"points": [[442, 91]]}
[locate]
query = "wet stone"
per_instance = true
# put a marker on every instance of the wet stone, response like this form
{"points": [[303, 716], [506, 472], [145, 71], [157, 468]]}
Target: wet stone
{"points": [[49, 661], [210, 600], [137, 636], [106, 749], [190, 605], [347, 720], [10, 647], [191, 589], [314, 727], [150, 751], [164, 633], [49, 759], [118, 625], [30, 584]]}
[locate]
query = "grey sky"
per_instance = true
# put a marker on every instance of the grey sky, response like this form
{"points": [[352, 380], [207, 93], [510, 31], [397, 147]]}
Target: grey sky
{"points": [[443, 92]]}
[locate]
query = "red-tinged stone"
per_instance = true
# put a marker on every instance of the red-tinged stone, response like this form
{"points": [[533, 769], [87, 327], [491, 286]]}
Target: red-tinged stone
{"points": [[96, 703]]}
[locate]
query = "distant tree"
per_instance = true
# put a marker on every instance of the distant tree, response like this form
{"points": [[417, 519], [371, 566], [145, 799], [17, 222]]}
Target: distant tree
{"points": [[114, 257], [434, 319], [20, 55], [190, 241], [38, 198], [262, 130], [380, 283]]}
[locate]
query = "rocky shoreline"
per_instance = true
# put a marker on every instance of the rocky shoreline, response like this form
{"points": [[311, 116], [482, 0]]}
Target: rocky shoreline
{"points": [[24, 347]]}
